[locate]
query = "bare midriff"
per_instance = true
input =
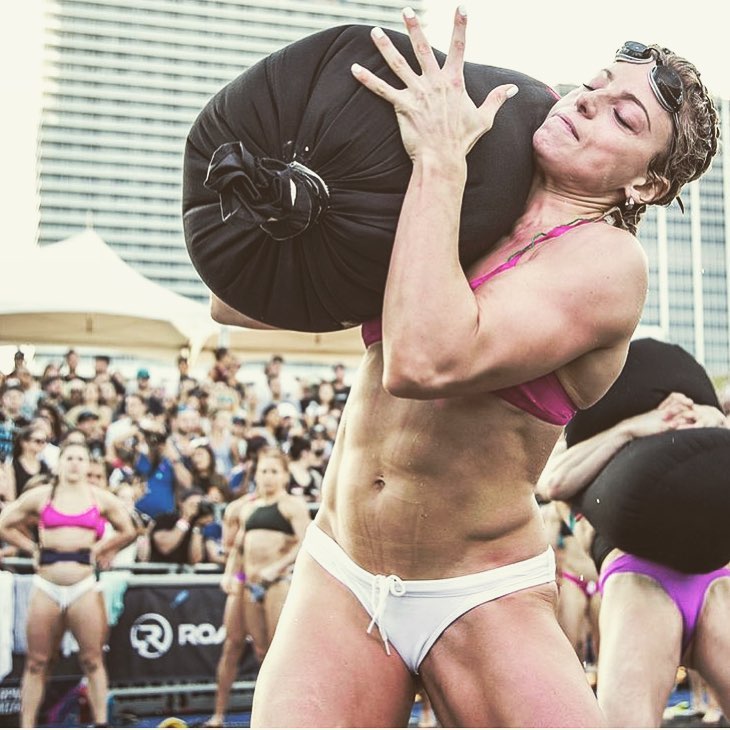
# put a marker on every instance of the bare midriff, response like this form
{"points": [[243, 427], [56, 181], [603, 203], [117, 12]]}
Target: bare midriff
{"points": [[435, 488], [66, 539]]}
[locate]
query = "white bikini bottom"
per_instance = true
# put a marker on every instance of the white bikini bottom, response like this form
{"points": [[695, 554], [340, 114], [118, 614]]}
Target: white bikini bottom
{"points": [[417, 612]]}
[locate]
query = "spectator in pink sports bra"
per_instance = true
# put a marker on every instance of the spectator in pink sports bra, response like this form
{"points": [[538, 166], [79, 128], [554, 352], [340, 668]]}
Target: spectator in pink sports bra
{"points": [[71, 516], [462, 396]]}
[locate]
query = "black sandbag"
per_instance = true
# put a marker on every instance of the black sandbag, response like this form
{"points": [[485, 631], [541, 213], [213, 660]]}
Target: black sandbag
{"points": [[653, 370], [322, 266], [666, 498]]}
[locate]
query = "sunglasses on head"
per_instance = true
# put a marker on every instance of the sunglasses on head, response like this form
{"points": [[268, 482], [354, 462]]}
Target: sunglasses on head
{"points": [[664, 81]]}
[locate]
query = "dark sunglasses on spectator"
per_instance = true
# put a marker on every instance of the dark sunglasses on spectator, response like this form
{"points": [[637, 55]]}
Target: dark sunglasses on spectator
{"points": [[664, 81]]}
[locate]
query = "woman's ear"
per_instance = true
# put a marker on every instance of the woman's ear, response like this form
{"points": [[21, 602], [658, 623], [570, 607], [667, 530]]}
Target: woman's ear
{"points": [[655, 188]]}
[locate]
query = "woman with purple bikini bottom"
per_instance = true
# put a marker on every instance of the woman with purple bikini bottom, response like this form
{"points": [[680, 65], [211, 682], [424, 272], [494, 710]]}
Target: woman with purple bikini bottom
{"points": [[653, 616]]}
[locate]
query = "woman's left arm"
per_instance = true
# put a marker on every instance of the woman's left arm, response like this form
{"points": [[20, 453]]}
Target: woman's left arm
{"points": [[441, 339], [113, 510], [8, 491], [439, 124]]}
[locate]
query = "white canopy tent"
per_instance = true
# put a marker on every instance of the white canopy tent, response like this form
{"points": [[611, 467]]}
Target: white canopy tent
{"points": [[79, 292]]}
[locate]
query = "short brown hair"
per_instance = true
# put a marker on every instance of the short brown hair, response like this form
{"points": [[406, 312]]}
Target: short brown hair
{"points": [[695, 136]]}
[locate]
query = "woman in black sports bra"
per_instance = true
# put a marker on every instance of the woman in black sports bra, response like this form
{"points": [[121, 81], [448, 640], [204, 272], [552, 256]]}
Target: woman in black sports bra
{"points": [[271, 531]]}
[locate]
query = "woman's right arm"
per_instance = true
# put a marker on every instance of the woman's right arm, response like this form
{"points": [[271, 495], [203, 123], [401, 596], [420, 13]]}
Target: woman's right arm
{"points": [[15, 515], [234, 563], [569, 471]]}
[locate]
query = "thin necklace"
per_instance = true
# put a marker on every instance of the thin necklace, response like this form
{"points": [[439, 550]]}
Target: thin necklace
{"points": [[541, 234]]}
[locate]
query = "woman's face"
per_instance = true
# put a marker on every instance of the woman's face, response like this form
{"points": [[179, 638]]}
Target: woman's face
{"points": [[326, 392], [214, 495], [35, 442], [73, 464], [601, 137], [271, 474], [201, 459]]}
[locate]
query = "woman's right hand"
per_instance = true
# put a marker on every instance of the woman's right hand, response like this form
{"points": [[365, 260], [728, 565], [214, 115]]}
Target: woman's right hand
{"points": [[228, 584], [669, 415], [436, 116]]}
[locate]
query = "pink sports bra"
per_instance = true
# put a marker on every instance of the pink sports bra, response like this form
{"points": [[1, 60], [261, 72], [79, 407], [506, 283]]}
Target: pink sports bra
{"points": [[543, 397], [90, 519]]}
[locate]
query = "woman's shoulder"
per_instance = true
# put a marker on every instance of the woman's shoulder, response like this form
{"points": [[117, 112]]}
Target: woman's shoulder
{"points": [[292, 504], [611, 243], [37, 497], [104, 497]]}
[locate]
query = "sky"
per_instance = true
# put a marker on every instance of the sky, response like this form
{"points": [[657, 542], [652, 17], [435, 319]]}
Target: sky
{"points": [[566, 41]]}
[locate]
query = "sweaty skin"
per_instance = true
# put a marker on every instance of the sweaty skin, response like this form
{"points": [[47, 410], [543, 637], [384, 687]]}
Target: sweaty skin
{"points": [[394, 475]]}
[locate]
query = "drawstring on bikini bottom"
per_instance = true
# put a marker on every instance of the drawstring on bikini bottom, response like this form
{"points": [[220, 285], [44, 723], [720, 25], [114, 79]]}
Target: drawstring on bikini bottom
{"points": [[384, 586]]}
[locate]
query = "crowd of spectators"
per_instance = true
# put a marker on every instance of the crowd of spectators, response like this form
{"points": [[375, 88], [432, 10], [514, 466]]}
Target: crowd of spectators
{"points": [[180, 452]]}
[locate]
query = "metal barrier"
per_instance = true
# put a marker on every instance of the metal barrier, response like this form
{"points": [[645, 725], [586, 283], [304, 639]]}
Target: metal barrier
{"points": [[25, 566], [165, 642], [125, 703]]}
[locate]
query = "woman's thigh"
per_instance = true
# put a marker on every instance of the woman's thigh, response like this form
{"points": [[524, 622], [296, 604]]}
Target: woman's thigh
{"points": [[508, 663], [234, 618], [255, 620], [44, 628], [641, 636], [323, 669], [712, 642], [86, 619]]}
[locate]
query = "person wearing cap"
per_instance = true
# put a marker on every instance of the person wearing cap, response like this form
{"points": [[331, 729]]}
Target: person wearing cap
{"points": [[87, 421], [12, 402], [143, 383], [52, 390]]}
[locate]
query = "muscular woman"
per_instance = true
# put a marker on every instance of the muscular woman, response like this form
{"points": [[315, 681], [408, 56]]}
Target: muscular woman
{"points": [[654, 616], [233, 615], [428, 555], [71, 516], [268, 540]]}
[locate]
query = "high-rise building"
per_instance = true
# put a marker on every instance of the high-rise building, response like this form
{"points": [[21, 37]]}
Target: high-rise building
{"points": [[123, 82], [689, 265]]}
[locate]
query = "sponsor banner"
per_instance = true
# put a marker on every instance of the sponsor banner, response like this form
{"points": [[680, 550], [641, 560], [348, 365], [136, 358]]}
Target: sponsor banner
{"points": [[167, 633]]}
